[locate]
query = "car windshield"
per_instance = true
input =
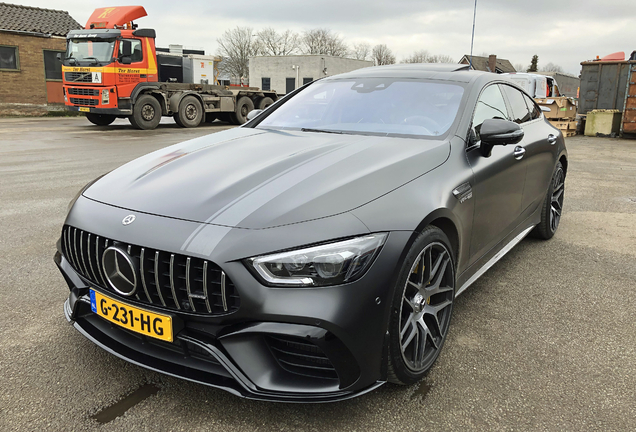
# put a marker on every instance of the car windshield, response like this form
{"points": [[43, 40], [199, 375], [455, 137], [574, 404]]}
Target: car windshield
{"points": [[376, 106], [92, 50]]}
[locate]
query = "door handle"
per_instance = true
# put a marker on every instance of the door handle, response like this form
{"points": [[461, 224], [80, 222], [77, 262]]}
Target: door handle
{"points": [[519, 152], [552, 139]]}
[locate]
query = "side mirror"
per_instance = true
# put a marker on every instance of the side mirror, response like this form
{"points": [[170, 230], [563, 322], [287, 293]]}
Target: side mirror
{"points": [[253, 113], [126, 48], [125, 60], [59, 57], [545, 108], [498, 132]]}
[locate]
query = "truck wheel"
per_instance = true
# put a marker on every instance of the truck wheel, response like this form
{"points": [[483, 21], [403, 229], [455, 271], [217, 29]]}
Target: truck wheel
{"points": [[243, 106], [146, 113], [100, 119], [265, 102], [190, 112]]}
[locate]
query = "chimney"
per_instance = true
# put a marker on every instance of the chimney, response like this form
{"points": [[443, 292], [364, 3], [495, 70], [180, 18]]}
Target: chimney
{"points": [[492, 63]]}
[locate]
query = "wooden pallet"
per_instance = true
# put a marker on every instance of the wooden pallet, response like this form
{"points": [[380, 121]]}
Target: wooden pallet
{"points": [[568, 133]]}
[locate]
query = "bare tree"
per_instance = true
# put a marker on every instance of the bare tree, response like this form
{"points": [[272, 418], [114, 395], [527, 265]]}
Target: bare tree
{"points": [[422, 56], [551, 67], [236, 46], [382, 55], [323, 41], [361, 51], [519, 67], [278, 44]]}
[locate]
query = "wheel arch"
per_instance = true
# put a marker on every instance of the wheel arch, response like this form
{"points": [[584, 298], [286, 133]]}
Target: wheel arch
{"points": [[176, 98], [564, 162]]}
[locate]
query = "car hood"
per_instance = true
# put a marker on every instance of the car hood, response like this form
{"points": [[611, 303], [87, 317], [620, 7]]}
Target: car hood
{"points": [[251, 178]]}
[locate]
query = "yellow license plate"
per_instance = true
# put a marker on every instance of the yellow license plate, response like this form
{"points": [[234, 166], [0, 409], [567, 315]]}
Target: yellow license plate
{"points": [[132, 318], [85, 109]]}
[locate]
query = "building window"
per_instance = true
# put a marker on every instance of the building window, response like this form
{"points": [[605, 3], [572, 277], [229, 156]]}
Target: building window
{"points": [[9, 59], [307, 80], [290, 85], [52, 66], [266, 83]]}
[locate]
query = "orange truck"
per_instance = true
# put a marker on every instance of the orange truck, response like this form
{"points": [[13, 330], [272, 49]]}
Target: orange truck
{"points": [[111, 70]]}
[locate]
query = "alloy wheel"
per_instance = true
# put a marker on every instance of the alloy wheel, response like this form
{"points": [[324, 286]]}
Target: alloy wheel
{"points": [[426, 306], [556, 201]]}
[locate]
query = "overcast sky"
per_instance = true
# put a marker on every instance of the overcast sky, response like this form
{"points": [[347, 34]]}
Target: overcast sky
{"points": [[563, 32]]}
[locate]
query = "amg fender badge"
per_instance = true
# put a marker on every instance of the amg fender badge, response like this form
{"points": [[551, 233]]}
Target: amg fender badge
{"points": [[463, 192]]}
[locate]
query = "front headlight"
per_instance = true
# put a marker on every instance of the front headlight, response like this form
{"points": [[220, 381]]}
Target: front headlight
{"points": [[105, 97], [323, 265]]}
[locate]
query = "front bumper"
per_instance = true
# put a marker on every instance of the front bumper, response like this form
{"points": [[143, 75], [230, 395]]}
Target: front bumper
{"points": [[237, 352]]}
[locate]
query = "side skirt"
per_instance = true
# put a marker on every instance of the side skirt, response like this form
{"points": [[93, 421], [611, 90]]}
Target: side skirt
{"points": [[493, 260]]}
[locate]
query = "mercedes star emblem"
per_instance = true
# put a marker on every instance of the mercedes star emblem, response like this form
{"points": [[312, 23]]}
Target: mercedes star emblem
{"points": [[128, 220], [120, 270]]}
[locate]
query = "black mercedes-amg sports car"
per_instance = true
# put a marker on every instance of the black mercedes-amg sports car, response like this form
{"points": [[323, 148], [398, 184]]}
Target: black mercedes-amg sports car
{"points": [[314, 253]]}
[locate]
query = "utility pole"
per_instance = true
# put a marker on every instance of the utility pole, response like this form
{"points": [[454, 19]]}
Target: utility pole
{"points": [[297, 74], [472, 39]]}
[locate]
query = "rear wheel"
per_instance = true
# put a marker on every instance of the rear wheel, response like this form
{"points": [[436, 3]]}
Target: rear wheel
{"points": [[265, 102], [422, 306], [146, 113], [243, 106], [100, 119], [190, 112], [552, 206]]}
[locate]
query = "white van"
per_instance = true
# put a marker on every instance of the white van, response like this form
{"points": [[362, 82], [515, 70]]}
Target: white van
{"points": [[538, 86]]}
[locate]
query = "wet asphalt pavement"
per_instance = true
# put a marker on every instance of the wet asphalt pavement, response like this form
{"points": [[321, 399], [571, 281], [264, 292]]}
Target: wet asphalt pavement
{"points": [[545, 340]]}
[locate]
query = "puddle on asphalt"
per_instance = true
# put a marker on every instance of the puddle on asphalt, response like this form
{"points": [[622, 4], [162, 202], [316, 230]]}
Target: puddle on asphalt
{"points": [[119, 408], [421, 391]]}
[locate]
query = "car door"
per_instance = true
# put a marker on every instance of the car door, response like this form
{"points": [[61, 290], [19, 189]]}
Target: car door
{"points": [[539, 154], [498, 179]]}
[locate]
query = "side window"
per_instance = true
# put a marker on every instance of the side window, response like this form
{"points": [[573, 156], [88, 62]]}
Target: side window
{"points": [[9, 59], [535, 112], [265, 83], [137, 52], [520, 112], [490, 105]]}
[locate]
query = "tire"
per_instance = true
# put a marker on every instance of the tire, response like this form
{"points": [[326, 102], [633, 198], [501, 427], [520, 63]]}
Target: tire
{"points": [[243, 106], [422, 307], [265, 102], [100, 119], [146, 113], [552, 206], [190, 112]]}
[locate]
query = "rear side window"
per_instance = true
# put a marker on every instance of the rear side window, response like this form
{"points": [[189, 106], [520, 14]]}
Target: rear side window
{"points": [[520, 111], [535, 112], [490, 105], [135, 46]]}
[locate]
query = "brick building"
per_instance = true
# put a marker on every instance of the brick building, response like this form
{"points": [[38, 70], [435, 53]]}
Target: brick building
{"points": [[30, 75]]}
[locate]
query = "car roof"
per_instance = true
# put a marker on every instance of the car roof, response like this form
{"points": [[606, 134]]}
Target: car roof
{"points": [[437, 71]]}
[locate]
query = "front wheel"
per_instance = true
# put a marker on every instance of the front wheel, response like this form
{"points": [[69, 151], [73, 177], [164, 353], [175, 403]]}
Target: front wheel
{"points": [[100, 119], [421, 308], [146, 113], [552, 206]]}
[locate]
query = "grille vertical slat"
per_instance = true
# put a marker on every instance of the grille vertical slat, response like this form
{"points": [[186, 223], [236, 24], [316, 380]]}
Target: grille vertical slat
{"points": [[207, 288], [157, 284], [223, 291], [189, 291], [90, 261], [174, 294], [143, 274]]}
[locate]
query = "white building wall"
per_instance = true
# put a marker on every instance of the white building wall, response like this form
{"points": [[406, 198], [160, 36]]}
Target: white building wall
{"points": [[279, 68]]}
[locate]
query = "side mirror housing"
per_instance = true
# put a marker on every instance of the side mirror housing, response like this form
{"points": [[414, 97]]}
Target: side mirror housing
{"points": [[125, 60], [498, 132], [252, 114], [544, 108]]}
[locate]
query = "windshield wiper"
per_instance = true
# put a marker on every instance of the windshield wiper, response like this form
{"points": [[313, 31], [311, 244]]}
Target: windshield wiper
{"points": [[320, 131]]}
